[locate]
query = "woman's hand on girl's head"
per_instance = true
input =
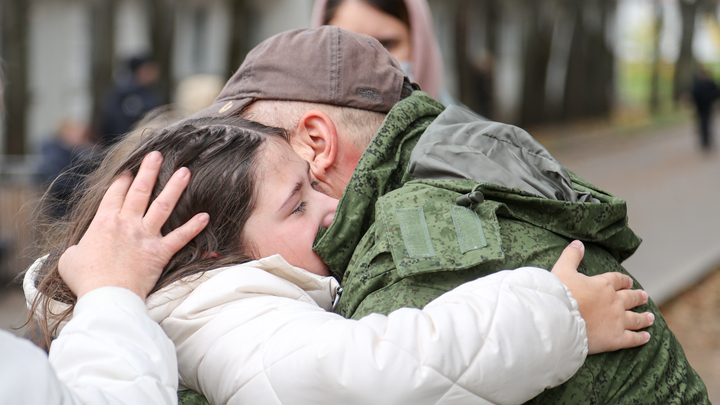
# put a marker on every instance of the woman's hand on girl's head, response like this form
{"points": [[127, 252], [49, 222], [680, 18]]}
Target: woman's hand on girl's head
{"points": [[123, 246]]}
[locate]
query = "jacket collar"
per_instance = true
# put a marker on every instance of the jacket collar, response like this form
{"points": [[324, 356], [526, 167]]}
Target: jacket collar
{"points": [[382, 168], [31, 293], [323, 290]]}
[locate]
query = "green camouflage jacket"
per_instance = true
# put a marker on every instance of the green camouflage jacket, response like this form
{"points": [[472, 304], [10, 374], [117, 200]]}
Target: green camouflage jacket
{"points": [[398, 241]]}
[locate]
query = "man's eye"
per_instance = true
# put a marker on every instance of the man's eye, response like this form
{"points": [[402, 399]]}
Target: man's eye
{"points": [[300, 208], [315, 185]]}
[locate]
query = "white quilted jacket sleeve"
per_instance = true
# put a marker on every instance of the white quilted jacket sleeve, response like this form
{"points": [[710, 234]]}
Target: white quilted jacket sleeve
{"points": [[111, 352], [499, 339]]}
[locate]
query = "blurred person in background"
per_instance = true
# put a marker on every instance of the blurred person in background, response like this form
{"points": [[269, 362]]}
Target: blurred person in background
{"points": [[403, 27], [129, 100], [704, 93], [63, 162], [197, 92]]}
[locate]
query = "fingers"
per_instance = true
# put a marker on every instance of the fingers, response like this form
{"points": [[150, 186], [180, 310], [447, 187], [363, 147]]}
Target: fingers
{"points": [[635, 321], [570, 258], [115, 195], [138, 196], [175, 240], [162, 206], [633, 339], [64, 258], [619, 281], [632, 298]]}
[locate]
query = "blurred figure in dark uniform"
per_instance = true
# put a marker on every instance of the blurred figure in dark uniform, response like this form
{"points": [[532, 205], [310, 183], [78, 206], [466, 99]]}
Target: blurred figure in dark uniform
{"points": [[704, 93], [64, 162], [129, 100]]}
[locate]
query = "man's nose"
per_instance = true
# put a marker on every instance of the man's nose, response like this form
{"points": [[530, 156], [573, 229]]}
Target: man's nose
{"points": [[329, 205]]}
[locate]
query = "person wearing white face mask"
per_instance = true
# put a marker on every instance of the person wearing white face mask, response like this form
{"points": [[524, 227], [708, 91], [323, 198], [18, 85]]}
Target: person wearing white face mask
{"points": [[403, 27]]}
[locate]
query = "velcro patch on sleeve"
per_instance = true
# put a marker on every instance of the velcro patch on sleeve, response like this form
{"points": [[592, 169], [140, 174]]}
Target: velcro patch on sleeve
{"points": [[415, 233], [469, 229]]}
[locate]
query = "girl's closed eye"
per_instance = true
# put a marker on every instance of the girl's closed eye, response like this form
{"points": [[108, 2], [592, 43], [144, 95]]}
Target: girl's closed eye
{"points": [[300, 208]]}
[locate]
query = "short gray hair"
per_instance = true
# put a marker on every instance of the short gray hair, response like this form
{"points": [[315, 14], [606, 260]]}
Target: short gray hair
{"points": [[359, 125]]}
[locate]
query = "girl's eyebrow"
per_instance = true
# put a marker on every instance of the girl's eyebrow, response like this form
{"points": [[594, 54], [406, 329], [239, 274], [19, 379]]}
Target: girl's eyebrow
{"points": [[295, 190]]}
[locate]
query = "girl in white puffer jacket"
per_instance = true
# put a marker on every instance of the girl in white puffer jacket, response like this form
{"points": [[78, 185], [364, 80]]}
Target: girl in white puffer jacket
{"points": [[249, 330]]}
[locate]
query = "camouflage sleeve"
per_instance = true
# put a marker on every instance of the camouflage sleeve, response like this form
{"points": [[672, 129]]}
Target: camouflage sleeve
{"points": [[190, 397]]}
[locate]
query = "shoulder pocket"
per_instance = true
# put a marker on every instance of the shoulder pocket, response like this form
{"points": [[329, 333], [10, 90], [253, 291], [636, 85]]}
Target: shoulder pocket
{"points": [[428, 232]]}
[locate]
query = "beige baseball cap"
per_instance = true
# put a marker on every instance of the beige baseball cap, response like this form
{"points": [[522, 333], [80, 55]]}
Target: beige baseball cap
{"points": [[323, 65]]}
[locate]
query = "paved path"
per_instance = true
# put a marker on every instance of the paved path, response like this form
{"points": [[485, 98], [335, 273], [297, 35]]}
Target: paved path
{"points": [[673, 195]]}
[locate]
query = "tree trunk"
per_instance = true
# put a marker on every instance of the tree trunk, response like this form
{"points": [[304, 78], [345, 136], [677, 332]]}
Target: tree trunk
{"points": [[590, 80], [239, 30], [464, 69], [685, 62], [475, 64], [576, 81], [536, 49], [559, 61], [15, 23], [162, 22], [654, 101], [601, 62], [102, 45]]}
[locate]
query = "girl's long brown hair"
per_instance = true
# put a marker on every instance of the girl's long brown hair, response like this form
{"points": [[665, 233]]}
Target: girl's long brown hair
{"points": [[221, 154]]}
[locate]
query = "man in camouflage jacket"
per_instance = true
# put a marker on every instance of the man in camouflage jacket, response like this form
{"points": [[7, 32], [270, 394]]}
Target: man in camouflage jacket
{"points": [[401, 240]]}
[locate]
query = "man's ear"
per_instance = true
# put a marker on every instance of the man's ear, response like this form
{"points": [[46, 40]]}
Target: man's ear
{"points": [[316, 141]]}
